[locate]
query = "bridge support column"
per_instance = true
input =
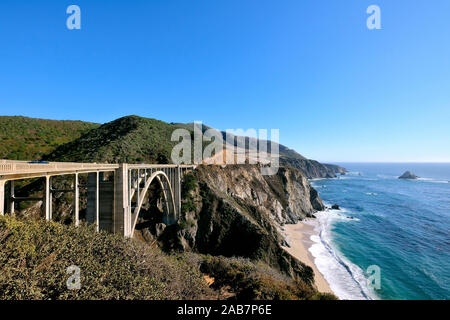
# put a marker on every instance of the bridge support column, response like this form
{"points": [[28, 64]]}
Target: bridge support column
{"points": [[93, 206], [48, 198], [11, 198], [2, 197], [77, 200], [97, 201], [178, 191], [122, 211], [106, 210]]}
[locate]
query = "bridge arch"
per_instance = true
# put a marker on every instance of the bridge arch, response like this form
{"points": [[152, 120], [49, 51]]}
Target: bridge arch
{"points": [[169, 199]]}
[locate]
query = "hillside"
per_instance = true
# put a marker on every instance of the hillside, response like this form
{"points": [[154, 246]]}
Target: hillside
{"points": [[23, 138], [130, 139], [135, 139], [288, 157], [35, 255]]}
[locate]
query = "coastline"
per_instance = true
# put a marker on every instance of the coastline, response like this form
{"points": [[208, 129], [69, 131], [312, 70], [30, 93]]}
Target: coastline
{"points": [[298, 236]]}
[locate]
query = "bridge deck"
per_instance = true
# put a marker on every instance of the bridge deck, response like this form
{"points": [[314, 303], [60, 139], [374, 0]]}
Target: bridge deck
{"points": [[13, 170]]}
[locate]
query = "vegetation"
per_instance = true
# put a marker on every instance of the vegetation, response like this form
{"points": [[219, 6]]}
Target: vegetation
{"points": [[35, 255], [249, 281], [130, 139], [24, 138], [189, 184]]}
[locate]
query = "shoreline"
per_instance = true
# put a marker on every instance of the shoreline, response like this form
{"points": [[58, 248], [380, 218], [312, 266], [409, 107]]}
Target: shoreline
{"points": [[298, 236]]}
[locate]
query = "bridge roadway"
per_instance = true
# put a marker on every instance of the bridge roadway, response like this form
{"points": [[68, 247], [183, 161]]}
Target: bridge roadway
{"points": [[112, 204]]}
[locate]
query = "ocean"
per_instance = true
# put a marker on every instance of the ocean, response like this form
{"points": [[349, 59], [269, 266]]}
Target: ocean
{"points": [[391, 230]]}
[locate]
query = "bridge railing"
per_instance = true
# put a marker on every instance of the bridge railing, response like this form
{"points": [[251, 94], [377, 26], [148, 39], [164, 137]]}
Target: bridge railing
{"points": [[7, 166], [17, 167]]}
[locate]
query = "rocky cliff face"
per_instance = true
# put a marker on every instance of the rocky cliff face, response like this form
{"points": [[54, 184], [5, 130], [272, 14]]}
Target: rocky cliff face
{"points": [[236, 211], [286, 197], [313, 169]]}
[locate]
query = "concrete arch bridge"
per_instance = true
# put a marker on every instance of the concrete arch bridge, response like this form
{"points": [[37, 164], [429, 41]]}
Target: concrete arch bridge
{"points": [[116, 193]]}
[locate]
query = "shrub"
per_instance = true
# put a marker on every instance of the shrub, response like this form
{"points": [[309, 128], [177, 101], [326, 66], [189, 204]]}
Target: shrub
{"points": [[256, 281], [35, 255]]}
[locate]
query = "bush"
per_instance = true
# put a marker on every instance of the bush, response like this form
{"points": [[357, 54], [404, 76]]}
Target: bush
{"points": [[35, 255], [250, 281], [189, 184]]}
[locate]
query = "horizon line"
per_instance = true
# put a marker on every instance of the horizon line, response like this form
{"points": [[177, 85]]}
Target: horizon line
{"points": [[388, 162]]}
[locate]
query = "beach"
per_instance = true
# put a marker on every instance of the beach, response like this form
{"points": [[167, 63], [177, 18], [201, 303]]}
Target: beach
{"points": [[298, 236]]}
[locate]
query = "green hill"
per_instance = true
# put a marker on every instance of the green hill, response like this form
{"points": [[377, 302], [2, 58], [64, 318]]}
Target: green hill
{"points": [[134, 139], [23, 138], [130, 139]]}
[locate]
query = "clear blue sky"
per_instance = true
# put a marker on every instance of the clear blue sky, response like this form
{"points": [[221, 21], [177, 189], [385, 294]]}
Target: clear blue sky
{"points": [[336, 90]]}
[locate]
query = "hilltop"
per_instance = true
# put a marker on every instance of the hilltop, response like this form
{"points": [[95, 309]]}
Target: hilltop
{"points": [[23, 138], [135, 139], [130, 139]]}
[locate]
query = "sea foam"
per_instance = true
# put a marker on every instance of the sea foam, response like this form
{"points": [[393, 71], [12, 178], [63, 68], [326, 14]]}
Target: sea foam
{"points": [[346, 279]]}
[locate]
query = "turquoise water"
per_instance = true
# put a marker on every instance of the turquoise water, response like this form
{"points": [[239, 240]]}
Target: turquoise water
{"points": [[401, 226]]}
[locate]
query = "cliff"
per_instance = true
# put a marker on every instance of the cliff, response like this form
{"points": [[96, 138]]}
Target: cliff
{"points": [[313, 169], [288, 157], [235, 211]]}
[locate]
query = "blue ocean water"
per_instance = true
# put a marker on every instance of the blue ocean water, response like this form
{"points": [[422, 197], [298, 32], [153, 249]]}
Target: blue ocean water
{"points": [[401, 226]]}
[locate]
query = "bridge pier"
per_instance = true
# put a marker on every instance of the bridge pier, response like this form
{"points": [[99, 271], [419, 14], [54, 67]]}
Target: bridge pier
{"points": [[11, 198], [77, 200], [178, 190], [2, 197], [106, 200], [100, 202], [48, 198], [93, 204], [122, 215]]}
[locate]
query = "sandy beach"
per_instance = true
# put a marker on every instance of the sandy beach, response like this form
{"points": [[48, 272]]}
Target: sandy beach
{"points": [[298, 236]]}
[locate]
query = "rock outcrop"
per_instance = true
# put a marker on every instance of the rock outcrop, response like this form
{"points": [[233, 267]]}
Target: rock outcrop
{"points": [[286, 197], [288, 157], [408, 175], [236, 211], [313, 169]]}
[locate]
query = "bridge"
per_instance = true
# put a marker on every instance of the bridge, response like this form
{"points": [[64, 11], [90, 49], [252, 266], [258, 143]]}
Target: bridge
{"points": [[116, 193]]}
